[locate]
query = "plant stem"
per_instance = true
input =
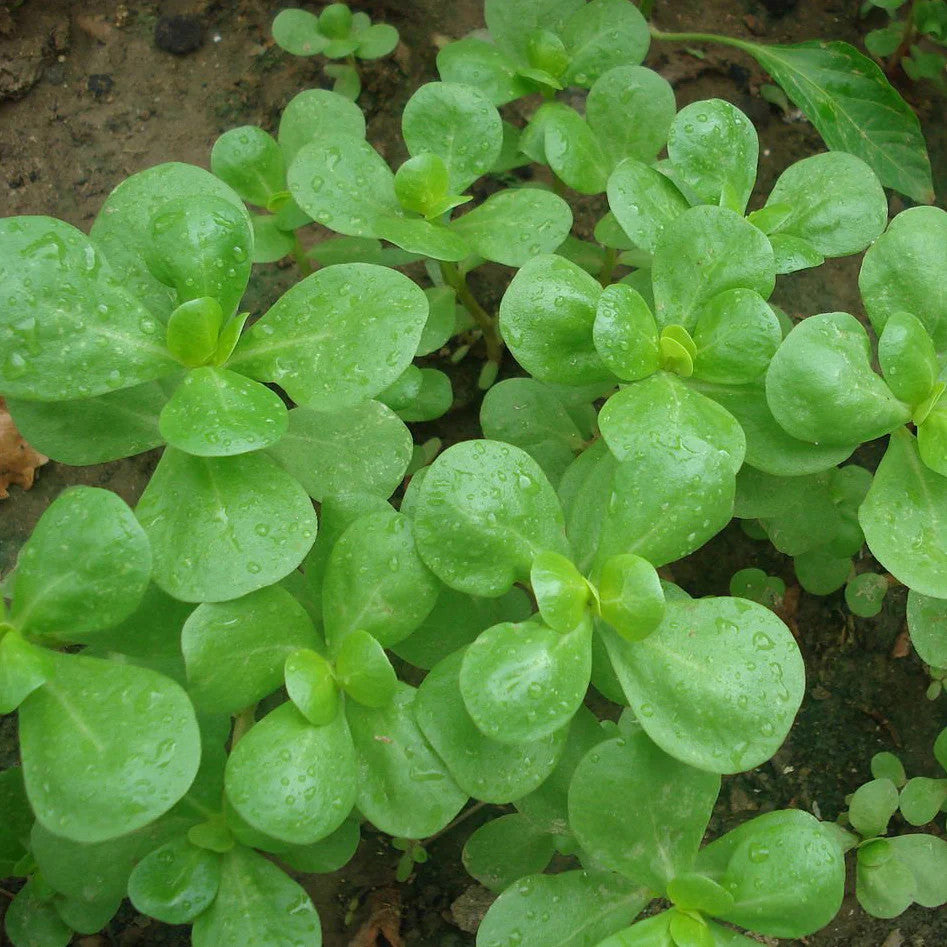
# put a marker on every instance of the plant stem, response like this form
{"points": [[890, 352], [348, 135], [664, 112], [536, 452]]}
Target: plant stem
{"points": [[486, 323], [907, 37], [299, 255], [476, 807], [608, 267], [701, 38], [241, 724]]}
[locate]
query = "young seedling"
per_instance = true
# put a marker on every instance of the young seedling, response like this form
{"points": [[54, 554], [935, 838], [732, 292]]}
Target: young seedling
{"points": [[336, 33], [910, 39]]}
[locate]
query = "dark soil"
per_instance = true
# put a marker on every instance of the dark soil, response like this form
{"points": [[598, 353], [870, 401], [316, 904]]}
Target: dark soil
{"points": [[90, 93]]}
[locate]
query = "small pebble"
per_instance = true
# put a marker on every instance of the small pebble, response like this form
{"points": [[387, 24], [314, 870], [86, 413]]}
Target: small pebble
{"points": [[178, 34]]}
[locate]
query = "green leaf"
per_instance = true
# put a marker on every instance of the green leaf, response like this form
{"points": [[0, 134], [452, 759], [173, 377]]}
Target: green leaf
{"points": [[328, 854], [458, 123], [865, 594], [703, 252], [477, 63], [784, 870], [511, 227], [886, 765], [854, 108], [297, 31], [838, 205], [32, 921], [23, 668], [871, 806], [927, 622], [423, 237], [899, 272], [546, 316], [311, 686], [820, 385], [57, 592], [106, 748], [631, 597], [512, 22], [523, 682], [123, 232], [482, 767], [667, 439], [362, 448], [630, 91], [270, 241], [573, 151], [903, 519], [527, 413], [337, 337], [376, 581], [562, 593], [433, 399], [351, 203], [175, 883], [17, 820], [714, 150], [216, 413], [455, 621], [364, 671], [602, 35], [666, 805], [907, 358], [404, 788], [256, 904], [768, 447], [441, 320], [422, 186], [201, 246], [250, 161], [886, 889], [70, 328], [625, 333], [736, 336], [222, 527], [292, 780], [506, 849], [485, 510], [94, 430], [643, 201], [921, 800], [571, 909], [704, 719], [925, 856], [193, 330], [235, 651], [378, 40], [693, 892], [317, 116]]}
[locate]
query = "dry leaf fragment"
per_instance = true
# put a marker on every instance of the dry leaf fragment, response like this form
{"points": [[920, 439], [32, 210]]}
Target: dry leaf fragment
{"points": [[18, 461], [384, 920]]}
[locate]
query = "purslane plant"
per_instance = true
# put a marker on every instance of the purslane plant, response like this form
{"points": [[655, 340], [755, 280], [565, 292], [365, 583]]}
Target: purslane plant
{"points": [[336, 33], [206, 681]]}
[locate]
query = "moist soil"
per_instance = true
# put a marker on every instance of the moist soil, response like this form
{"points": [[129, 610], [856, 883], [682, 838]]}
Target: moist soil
{"points": [[92, 91]]}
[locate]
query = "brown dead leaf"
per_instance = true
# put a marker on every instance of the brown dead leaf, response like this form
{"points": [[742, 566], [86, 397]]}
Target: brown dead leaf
{"points": [[18, 461], [384, 920], [902, 644]]}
